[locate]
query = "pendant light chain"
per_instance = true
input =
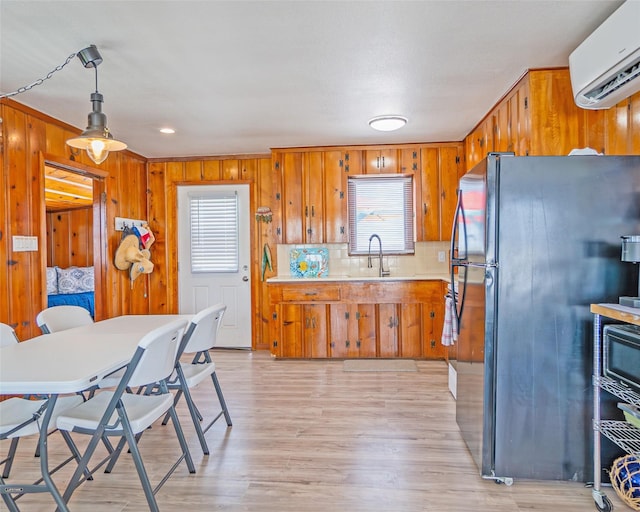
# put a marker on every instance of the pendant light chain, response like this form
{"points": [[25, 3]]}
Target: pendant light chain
{"points": [[41, 80]]}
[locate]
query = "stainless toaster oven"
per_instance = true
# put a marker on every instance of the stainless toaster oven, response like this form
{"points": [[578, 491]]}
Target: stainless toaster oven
{"points": [[621, 354]]}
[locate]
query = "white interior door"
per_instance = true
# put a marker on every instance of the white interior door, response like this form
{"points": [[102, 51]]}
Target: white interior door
{"points": [[213, 256]]}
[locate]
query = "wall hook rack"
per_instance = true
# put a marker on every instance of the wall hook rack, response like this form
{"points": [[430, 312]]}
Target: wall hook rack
{"points": [[122, 222]]}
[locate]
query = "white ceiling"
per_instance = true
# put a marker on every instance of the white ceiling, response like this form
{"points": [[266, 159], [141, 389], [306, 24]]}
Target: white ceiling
{"points": [[243, 77]]}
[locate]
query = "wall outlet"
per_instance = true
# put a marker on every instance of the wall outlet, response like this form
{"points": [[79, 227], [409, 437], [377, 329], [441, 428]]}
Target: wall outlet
{"points": [[441, 256]]}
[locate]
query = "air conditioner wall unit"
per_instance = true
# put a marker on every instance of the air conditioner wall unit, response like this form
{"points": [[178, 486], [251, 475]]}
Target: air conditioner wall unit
{"points": [[605, 68]]}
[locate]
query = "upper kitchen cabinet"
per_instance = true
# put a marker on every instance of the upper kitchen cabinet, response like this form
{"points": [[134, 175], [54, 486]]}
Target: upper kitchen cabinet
{"points": [[336, 170], [381, 161], [313, 198], [436, 190], [409, 160], [290, 168], [301, 196], [313, 194], [537, 116]]}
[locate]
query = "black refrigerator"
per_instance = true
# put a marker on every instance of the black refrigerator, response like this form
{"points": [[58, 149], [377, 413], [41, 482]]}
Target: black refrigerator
{"points": [[536, 240]]}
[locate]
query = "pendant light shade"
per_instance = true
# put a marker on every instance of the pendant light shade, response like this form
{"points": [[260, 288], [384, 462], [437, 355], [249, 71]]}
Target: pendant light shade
{"points": [[96, 139]]}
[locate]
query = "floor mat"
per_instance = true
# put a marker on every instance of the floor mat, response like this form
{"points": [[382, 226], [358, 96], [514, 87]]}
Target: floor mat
{"points": [[380, 365]]}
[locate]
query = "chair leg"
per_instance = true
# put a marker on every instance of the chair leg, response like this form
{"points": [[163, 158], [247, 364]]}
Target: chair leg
{"points": [[175, 402], [83, 465], [74, 451], [137, 460], [223, 404], [8, 462], [8, 500], [118, 451], [182, 440], [195, 418]]}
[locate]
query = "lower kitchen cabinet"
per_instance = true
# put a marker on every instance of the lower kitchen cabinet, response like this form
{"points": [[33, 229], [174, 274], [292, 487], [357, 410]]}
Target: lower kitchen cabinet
{"points": [[388, 330], [300, 331], [353, 330], [357, 319]]}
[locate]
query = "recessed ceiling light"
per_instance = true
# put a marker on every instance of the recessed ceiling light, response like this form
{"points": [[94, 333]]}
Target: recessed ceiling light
{"points": [[167, 130], [387, 123]]}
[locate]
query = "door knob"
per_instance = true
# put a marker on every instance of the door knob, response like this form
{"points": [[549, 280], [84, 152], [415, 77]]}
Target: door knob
{"points": [[245, 278]]}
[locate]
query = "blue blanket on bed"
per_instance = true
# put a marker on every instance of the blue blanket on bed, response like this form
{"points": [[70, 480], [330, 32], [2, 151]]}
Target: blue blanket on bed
{"points": [[84, 299]]}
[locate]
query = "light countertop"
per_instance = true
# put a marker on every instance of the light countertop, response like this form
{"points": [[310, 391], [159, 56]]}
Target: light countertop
{"points": [[334, 279]]}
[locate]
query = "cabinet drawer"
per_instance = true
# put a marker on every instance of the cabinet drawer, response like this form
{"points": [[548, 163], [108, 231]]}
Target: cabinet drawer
{"points": [[311, 293]]}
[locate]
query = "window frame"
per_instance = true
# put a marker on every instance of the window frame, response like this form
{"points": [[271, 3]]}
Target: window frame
{"points": [[408, 214], [207, 238]]}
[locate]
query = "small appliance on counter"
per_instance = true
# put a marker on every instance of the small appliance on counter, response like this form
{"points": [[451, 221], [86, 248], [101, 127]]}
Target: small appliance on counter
{"points": [[631, 253]]}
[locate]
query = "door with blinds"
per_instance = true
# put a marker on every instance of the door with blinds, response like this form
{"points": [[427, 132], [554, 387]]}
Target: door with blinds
{"points": [[214, 256]]}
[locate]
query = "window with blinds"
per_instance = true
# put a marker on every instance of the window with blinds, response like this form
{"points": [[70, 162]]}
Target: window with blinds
{"points": [[381, 205], [214, 233]]}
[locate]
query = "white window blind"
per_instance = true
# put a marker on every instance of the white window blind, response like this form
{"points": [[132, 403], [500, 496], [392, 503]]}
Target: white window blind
{"points": [[381, 205], [214, 233]]}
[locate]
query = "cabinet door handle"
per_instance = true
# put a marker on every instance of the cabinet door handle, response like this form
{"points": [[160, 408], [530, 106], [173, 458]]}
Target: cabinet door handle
{"points": [[424, 207], [378, 162], [313, 322], [310, 294], [383, 162], [313, 211], [306, 211]]}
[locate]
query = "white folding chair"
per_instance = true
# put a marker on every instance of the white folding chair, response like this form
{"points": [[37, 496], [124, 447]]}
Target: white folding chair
{"points": [[125, 415], [20, 417], [199, 338], [7, 335], [61, 318]]}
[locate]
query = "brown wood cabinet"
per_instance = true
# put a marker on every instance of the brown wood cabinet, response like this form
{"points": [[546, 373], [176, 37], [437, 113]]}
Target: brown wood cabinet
{"points": [[313, 196], [436, 190], [537, 116], [335, 175], [353, 330], [381, 161], [368, 318]]}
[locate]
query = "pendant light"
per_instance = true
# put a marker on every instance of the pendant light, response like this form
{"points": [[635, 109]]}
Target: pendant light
{"points": [[97, 140]]}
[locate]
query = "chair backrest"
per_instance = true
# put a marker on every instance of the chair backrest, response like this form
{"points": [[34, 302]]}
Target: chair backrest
{"points": [[7, 335], [158, 350], [61, 318], [203, 329]]}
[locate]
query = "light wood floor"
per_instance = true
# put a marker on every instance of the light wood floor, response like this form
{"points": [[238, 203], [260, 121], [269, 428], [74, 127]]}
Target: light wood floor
{"points": [[309, 437]]}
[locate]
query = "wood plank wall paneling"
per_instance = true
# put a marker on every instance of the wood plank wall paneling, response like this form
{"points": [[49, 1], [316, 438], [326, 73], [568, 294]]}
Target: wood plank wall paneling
{"points": [[539, 116], [27, 135], [70, 238], [135, 187], [164, 178]]}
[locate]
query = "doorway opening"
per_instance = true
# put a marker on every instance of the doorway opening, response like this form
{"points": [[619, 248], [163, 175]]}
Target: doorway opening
{"points": [[214, 248], [74, 232]]}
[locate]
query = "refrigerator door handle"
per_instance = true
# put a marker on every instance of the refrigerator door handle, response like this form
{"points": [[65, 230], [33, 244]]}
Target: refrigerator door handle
{"points": [[479, 265], [459, 212]]}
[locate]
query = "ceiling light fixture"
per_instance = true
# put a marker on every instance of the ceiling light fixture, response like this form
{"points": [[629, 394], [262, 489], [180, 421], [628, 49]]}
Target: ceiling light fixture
{"points": [[97, 140], [167, 130], [387, 123]]}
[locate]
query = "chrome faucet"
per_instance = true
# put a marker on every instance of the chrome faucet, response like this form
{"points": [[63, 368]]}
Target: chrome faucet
{"points": [[382, 272]]}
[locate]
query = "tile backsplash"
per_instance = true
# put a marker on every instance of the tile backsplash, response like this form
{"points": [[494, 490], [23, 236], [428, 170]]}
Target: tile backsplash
{"points": [[424, 261]]}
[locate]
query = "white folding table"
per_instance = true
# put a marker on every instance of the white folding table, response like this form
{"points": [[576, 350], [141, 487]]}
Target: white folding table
{"points": [[64, 362]]}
